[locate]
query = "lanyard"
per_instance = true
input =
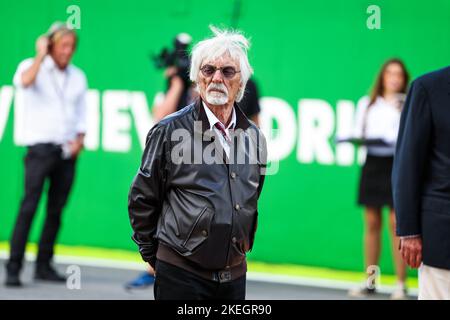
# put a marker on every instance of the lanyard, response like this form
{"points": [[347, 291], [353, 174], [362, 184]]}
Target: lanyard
{"points": [[60, 91]]}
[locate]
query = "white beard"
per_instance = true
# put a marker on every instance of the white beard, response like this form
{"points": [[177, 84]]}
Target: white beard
{"points": [[215, 97]]}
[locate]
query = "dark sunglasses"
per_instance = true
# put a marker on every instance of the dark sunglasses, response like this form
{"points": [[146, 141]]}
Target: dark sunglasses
{"points": [[227, 72]]}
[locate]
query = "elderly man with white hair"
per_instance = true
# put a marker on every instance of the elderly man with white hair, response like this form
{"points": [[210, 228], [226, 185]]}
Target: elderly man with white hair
{"points": [[193, 202]]}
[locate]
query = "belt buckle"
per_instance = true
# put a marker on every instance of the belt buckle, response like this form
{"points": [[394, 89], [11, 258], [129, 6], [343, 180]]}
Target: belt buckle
{"points": [[224, 276]]}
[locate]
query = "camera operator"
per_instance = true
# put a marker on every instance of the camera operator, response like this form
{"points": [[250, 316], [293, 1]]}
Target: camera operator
{"points": [[250, 102], [180, 91]]}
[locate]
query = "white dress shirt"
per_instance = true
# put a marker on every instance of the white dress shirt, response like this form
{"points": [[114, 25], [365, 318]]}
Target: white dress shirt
{"points": [[213, 120], [381, 122], [54, 106]]}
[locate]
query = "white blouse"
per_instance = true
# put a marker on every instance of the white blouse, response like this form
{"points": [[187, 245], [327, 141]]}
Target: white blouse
{"points": [[381, 122]]}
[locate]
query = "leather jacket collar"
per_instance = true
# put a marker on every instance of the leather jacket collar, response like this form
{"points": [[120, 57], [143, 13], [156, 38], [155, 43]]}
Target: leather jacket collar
{"points": [[200, 115]]}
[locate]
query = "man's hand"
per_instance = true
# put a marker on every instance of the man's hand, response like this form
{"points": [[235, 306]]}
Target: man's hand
{"points": [[76, 146], [41, 46], [411, 250], [150, 269]]}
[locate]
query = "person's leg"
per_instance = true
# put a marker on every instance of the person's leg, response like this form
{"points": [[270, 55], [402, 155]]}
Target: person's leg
{"points": [[61, 179], [372, 248], [174, 283], [36, 169], [400, 265], [372, 237]]}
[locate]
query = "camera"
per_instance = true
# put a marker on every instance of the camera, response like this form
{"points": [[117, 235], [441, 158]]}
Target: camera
{"points": [[176, 57]]}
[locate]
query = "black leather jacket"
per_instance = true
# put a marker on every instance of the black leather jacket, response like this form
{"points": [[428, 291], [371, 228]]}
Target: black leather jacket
{"points": [[205, 212]]}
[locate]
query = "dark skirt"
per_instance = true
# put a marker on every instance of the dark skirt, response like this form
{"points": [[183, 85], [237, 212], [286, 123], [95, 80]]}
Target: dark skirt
{"points": [[375, 183]]}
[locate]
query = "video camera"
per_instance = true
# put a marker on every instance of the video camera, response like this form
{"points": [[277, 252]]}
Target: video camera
{"points": [[178, 57]]}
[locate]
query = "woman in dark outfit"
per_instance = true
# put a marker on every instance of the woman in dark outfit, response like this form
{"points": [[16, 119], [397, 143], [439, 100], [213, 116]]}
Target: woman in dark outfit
{"points": [[377, 122]]}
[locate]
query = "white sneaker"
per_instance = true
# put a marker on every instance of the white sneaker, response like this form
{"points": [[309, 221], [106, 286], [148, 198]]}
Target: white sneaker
{"points": [[400, 292]]}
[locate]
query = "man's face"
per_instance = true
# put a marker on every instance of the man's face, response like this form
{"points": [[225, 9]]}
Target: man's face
{"points": [[63, 50], [220, 88]]}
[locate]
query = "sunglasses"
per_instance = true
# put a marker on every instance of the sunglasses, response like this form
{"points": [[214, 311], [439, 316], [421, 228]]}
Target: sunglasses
{"points": [[227, 72]]}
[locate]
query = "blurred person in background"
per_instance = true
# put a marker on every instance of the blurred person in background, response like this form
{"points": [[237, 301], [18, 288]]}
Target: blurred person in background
{"points": [[54, 93], [250, 102], [178, 95], [180, 90], [421, 183], [377, 120]]}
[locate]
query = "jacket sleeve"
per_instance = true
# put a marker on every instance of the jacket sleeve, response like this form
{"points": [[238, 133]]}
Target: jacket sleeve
{"points": [[262, 157], [263, 161], [410, 160], [147, 192]]}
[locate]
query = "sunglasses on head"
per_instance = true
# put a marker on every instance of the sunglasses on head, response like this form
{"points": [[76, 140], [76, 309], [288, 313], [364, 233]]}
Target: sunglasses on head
{"points": [[228, 72]]}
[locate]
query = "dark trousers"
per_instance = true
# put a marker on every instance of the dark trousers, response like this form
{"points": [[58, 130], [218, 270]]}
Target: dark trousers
{"points": [[42, 162], [174, 283]]}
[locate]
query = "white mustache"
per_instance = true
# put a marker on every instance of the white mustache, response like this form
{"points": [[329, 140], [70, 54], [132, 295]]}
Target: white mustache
{"points": [[218, 86]]}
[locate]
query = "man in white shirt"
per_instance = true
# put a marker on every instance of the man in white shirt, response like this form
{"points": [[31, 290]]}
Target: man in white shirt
{"points": [[53, 94]]}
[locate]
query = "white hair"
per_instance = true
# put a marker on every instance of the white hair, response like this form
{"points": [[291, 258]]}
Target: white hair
{"points": [[223, 42]]}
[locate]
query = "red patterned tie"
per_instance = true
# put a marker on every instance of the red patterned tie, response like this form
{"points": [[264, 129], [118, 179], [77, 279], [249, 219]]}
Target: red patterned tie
{"points": [[221, 128]]}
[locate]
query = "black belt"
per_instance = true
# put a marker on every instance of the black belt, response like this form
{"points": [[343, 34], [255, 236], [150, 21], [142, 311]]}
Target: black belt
{"points": [[45, 148], [44, 145]]}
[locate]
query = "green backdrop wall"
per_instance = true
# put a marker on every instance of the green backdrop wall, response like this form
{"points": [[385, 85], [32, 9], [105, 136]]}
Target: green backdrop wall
{"points": [[313, 56]]}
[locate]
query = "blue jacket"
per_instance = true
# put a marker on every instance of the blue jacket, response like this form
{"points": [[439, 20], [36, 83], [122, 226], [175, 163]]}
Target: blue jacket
{"points": [[421, 173]]}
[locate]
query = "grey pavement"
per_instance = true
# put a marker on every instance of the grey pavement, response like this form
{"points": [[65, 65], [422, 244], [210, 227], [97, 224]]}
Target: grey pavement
{"points": [[100, 283]]}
